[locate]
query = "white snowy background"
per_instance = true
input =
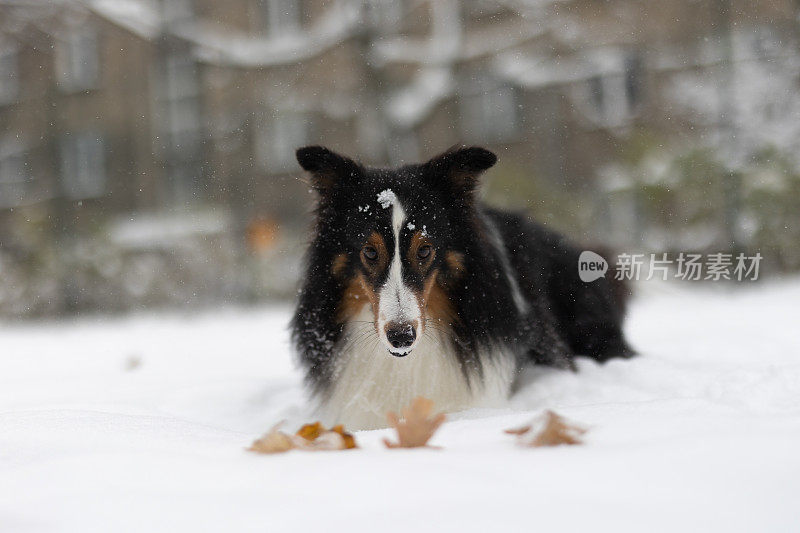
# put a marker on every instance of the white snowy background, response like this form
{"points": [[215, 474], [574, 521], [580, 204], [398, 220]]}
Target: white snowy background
{"points": [[141, 424]]}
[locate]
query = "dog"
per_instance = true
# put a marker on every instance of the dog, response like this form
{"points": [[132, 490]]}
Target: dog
{"points": [[413, 287]]}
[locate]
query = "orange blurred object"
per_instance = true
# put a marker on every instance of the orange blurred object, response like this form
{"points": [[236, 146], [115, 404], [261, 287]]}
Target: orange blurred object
{"points": [[262, 234]]}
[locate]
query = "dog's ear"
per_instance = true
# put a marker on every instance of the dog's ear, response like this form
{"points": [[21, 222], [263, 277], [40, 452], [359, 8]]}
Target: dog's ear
{"points": [[326, 166], [460, 167]]}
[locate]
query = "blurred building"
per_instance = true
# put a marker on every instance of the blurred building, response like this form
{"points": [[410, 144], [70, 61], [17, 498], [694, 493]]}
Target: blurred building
{"points": [[147, 146]]}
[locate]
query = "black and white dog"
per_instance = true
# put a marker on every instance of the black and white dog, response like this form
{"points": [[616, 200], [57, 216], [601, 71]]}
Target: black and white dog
{"points": [[414, 288]]}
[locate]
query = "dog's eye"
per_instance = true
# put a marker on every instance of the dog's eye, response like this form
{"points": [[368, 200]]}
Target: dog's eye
{"points": [[424, 251], [370, 253]]}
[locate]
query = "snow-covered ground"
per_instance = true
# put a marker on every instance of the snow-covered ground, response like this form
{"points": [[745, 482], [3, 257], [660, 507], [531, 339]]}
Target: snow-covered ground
{"points": [[140, 424]]}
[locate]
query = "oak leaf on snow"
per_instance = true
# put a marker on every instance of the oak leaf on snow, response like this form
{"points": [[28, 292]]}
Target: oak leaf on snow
{"points": [[553, 430], [416, 427]]}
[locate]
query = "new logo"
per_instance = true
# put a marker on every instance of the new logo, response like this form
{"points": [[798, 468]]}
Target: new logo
{"points": [[591, 266]]}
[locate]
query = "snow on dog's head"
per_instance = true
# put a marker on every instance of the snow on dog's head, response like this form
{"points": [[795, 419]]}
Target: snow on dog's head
{"points": [[394, 238]]}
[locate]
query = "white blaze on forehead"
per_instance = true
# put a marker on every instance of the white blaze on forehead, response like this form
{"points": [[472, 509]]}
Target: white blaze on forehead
{"points": [[398, 217], [397, 303]]}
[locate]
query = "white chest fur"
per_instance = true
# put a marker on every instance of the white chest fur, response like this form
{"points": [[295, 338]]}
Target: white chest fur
{"points": [[369, 381]]}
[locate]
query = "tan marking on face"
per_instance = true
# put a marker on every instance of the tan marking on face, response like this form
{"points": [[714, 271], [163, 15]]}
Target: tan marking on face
{"points": [[374, 269], [353, 299], [439, 307], [372, 297], [338, 265], [418, 240], [422, 299], [455, 261], [382, 262]]}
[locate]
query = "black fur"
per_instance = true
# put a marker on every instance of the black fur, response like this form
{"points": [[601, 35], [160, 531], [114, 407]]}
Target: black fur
{"points": [[564, 316]]}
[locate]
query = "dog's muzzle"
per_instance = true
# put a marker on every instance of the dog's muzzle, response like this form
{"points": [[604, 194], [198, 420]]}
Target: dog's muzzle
{"points": [[401, 337]]}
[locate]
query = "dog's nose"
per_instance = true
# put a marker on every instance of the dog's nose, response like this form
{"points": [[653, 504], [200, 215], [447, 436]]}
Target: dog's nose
{"points": [[401, 335]]}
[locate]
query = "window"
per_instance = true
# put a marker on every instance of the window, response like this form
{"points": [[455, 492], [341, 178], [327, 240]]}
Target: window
{"points": [[386, 15], [489, 112], [182, 101], [281, 17], [597, 93], [278, 139], [614, 96], [82, 165], [178, 10], [633, 80], [13, 173], [9, 80], [180, 125], [77, 64]]}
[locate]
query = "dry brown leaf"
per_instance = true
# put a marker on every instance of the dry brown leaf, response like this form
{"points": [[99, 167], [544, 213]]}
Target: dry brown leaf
{"points": [[310, 431], [349, 439], [310, 437], [416, 427], [518, 431], [273, 441], [316, 432], [325, 441], [555, 430]]}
